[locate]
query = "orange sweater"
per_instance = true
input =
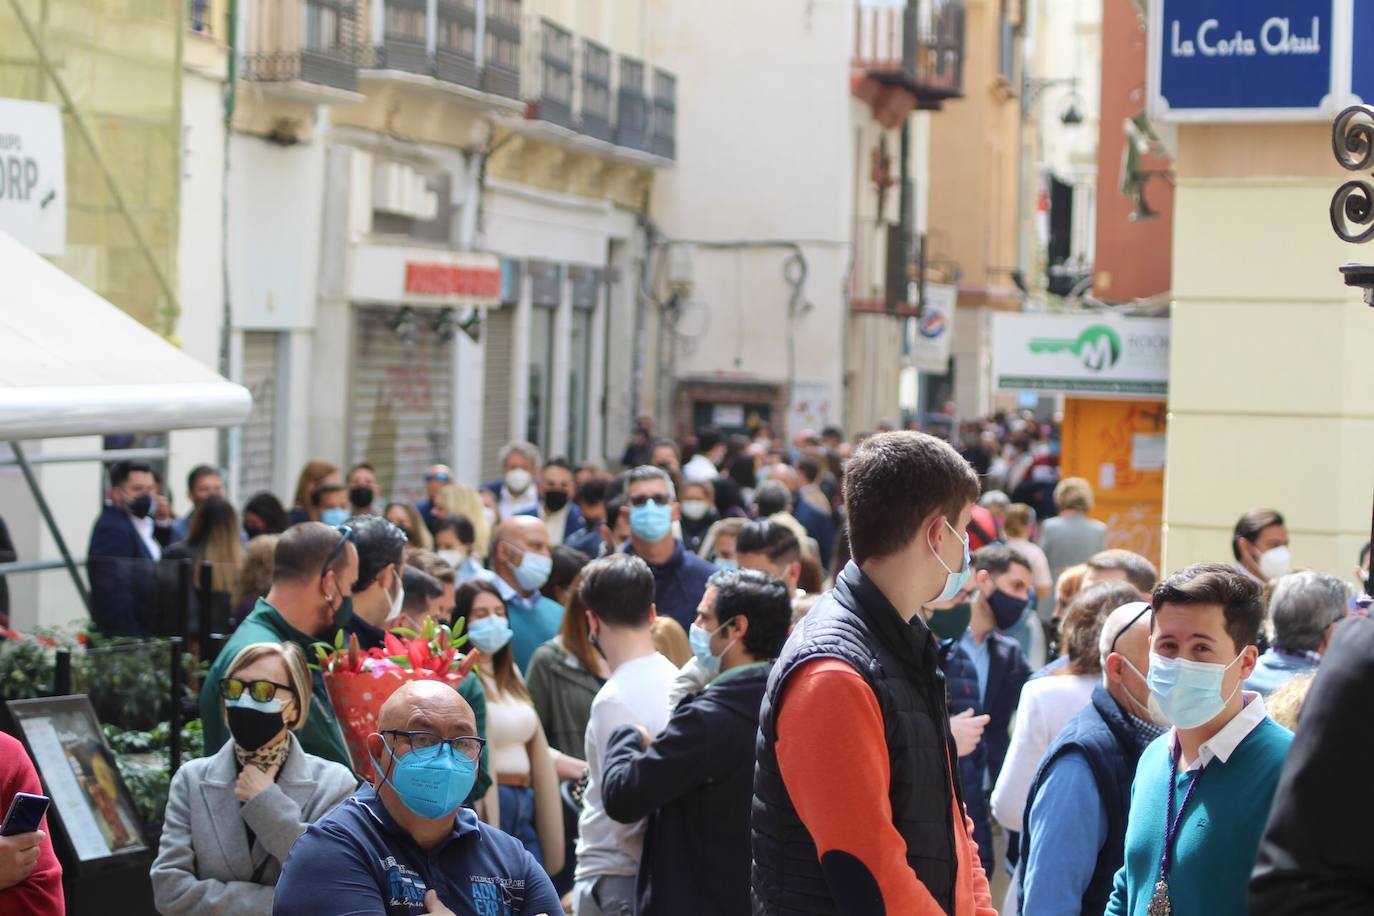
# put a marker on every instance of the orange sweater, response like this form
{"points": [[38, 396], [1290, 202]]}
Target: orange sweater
{"points": [[833, 757]]}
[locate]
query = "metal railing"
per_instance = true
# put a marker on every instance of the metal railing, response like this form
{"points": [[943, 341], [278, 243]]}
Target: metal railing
{"points": [[595, 120], [313, 41], [455, 47], [501, 71], [555, 94], [922, 47]]}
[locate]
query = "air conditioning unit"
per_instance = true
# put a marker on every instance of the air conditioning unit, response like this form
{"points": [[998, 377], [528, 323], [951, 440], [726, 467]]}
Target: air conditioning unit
{"points": [[399, 189]]}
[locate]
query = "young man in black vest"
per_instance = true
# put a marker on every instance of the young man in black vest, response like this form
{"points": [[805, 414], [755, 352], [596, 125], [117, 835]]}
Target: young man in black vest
{"points": [[857, 805]]}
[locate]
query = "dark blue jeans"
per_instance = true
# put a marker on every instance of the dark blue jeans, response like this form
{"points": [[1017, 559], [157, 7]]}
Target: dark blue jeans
{"points": [[517, 817]]}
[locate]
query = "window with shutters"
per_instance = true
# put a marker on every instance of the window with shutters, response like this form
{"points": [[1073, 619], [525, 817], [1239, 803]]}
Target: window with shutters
{"points": [[256, 437], [541, 376], [401, 415], [498, 335]]}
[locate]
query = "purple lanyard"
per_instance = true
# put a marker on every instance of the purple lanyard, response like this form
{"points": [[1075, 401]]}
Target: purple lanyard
{"points": [[1172, 823]]}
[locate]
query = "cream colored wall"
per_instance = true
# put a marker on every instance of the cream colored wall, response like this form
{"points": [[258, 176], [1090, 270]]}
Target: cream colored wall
{"points": [[1269, 397]]}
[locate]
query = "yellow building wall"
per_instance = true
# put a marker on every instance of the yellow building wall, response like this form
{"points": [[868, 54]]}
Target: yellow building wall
{"points": [[1269, 395]]}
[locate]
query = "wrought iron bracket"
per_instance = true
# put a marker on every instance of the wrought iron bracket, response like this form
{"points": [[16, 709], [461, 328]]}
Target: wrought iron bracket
{"points": [[1352, 206]]}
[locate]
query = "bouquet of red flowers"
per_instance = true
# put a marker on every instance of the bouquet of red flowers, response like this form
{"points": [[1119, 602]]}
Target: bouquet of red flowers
{"points": [[360, 682]]}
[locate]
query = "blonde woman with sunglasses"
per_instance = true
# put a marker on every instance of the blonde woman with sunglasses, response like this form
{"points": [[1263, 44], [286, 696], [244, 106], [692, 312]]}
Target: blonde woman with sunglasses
{"points": [[232, 817]]}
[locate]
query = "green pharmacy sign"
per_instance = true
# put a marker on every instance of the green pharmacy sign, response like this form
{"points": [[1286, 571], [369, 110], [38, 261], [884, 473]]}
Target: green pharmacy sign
{"points": [[1085, 354]]}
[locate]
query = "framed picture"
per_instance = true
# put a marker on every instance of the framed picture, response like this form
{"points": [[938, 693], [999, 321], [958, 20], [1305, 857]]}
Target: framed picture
{"points": [[91, 803]]}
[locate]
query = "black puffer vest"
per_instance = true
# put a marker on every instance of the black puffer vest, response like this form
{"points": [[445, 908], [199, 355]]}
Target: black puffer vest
{"points": [[856, 624], [1104, 735]]}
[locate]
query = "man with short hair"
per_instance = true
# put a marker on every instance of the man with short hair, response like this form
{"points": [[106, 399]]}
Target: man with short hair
{"points": [[1304, 608], [619, 593], [203, 482], [331, 499], [437, 476], [679, 576], [1260, 545], [590, 500], [705, 464], [521, 562], [695, 781], [1201, 796], [1085, 779], [857, 808], [770, 548], [123, 553], [773, 501], [813, 509], [378, 593], [364, 493], [314, 568], [1002, 582], [405, 844], [515, 492], [1118, 565], [558, 510]]}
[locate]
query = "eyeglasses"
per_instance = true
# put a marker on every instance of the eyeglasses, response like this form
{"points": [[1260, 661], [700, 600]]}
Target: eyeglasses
{"points": [[1139, 614], [346, 534], [466, 746], [431, 478], [231, 688], [658, 498]]}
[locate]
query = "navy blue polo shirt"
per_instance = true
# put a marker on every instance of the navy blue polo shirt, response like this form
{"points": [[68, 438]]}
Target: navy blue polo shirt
{"points": [[356, 860]]}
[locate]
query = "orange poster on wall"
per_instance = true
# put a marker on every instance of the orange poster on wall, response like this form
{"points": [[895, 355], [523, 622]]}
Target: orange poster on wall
{"points": [[1118, 447]]}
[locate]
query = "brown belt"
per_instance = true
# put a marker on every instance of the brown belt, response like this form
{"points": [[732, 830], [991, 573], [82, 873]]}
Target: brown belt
{"points": [[517, 780]]}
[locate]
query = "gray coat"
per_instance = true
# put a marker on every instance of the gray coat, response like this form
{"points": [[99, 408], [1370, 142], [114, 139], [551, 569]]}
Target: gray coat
{"points": [[204, 865]]}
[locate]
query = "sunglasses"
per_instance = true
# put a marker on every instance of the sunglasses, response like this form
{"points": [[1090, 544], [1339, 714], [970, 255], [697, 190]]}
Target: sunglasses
{"points": [[1141, 613], [431, 478], [346, 534], [231, 688], [658, 498]]}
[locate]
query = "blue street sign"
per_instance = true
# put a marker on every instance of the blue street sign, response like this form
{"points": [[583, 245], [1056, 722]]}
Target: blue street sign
{"points": [[1244, 59]]}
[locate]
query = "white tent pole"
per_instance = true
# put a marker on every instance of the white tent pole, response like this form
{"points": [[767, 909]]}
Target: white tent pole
{"points": [[42, 502]]}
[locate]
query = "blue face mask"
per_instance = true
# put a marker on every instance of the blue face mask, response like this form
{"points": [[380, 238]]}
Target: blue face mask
{"points": [[432, 782], [722, 563], [533, 571], [955, 580], [490, 634], [1188, 692], [334, 517], [651, 522], [700, 641]]}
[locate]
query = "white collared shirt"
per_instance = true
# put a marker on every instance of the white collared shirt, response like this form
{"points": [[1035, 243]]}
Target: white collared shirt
{"points": [[1224, 743], [144, 527]]}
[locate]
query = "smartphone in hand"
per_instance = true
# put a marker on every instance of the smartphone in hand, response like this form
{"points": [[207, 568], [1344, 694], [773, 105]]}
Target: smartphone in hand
{"points": [[25, 814]]}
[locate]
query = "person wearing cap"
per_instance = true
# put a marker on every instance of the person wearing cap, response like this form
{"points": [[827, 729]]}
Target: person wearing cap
{"points": [[1084, 779], [437, 476]]}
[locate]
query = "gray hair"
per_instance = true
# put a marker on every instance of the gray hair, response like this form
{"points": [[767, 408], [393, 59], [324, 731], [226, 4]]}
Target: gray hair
{"points": [[649, 472], [528, 449], [994, 498], [772, 497], [1304, 606]]}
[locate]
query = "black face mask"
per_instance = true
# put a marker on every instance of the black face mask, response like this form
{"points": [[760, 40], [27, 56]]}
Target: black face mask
{"points": [[1006, 609], [554, 500], [361, 497], [253, 728], [140, 506]]}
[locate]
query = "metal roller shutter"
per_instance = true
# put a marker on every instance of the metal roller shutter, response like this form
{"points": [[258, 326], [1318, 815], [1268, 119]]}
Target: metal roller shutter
{"points": [[256, 439], [498, 332], [401, 419]]}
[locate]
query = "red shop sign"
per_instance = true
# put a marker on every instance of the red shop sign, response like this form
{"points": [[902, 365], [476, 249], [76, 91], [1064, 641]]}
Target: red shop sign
{"points": [[432, 279]]}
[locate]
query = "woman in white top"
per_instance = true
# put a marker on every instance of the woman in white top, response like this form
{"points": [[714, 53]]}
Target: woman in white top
{"points": [[523, 800], [1048, 702]]}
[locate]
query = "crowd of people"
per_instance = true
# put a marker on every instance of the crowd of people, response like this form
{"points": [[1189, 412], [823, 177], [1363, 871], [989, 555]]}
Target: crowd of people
{"points": [[878, 675]]}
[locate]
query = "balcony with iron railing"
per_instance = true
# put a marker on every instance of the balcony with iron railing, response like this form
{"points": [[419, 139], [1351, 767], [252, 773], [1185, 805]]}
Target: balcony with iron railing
{"points": [[597, 106], [550, 98], [438, 39], [632, 106], [315, 42], [919, 48], [663, 138]]}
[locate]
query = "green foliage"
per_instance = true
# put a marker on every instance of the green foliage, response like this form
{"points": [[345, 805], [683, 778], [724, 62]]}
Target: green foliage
{"points": [[144, 761], [27, 665]]}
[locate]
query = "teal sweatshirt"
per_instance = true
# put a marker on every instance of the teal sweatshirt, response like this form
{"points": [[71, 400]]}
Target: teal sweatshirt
{"points": [[1220, 835]]}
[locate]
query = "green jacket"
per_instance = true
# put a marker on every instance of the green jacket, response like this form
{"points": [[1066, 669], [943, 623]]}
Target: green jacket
{"points": [[562, 691], [320, 735]]}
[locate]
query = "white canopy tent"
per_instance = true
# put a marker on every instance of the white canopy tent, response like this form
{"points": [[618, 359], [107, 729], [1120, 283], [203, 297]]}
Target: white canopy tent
{"points": [[73, 364]]}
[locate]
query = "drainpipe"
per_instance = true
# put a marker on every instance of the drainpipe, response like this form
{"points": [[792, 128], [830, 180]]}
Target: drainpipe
{"points": [[226, 326]]}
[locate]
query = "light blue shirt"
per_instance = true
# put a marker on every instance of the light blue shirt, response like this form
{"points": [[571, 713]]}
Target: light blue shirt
{"points": [[1068, 830], [979, 652], [534, 620]]}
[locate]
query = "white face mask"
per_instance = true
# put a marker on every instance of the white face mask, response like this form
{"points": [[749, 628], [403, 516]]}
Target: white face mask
{"points": [[695, 509], [518, 480], [400, 598], [1276, 562], [453, 558]]}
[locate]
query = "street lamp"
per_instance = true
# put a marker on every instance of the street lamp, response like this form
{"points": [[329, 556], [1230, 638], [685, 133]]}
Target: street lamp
{"points": [[1032, 87]]}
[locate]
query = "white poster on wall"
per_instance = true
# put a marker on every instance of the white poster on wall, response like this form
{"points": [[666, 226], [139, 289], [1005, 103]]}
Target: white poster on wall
{"points": [[812, 404], [33, 175], [928, 337]]}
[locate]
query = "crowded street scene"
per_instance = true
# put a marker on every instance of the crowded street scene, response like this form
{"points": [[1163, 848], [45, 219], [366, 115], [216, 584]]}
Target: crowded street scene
{"points": [[651, 458]]}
